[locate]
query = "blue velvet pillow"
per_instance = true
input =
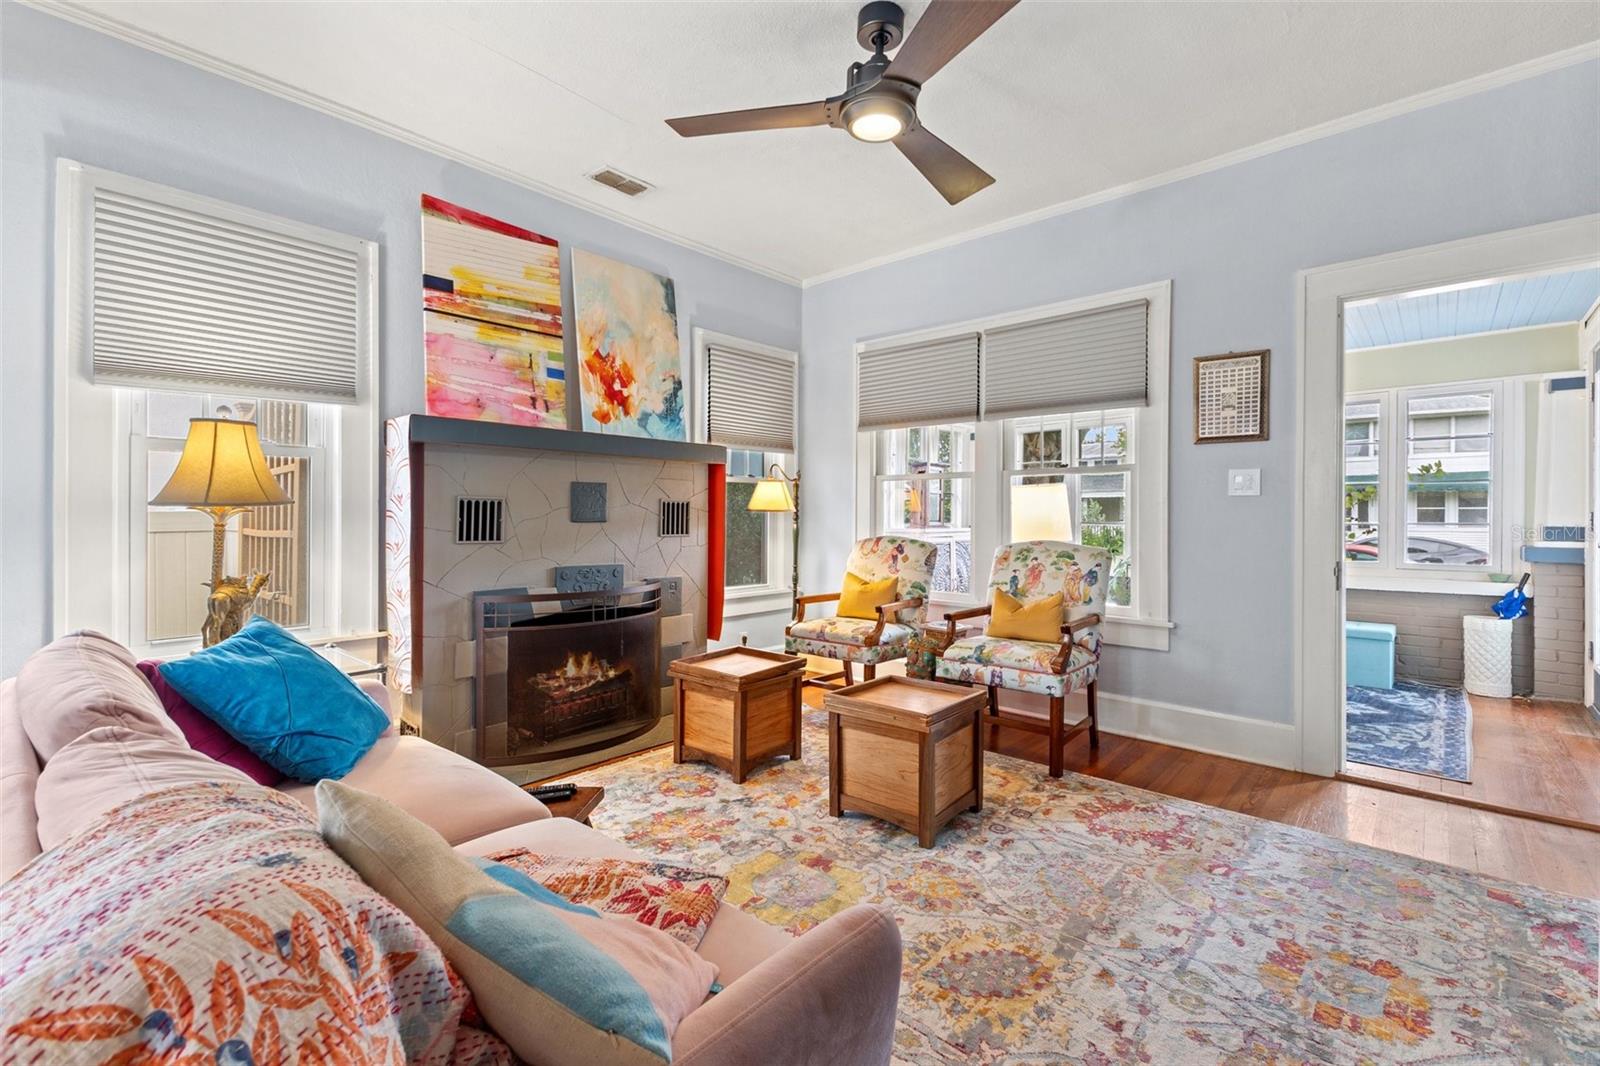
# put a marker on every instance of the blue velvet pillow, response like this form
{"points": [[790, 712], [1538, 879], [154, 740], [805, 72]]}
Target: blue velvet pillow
{"points": [[294, 709]]}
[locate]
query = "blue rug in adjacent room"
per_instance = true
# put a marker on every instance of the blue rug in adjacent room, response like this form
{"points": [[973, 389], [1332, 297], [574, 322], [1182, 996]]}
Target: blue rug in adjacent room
{"points": [[1426, 729]]}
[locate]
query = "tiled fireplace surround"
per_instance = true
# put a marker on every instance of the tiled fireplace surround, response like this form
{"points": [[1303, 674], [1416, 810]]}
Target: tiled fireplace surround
{"points": [[429, 591]]}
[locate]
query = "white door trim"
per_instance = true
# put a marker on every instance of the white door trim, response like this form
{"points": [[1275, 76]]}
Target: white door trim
{"points": [[1589, 359], [1320, 295]]}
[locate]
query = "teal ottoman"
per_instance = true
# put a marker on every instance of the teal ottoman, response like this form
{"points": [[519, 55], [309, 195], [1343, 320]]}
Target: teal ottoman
{"points": [[1369, 654]]}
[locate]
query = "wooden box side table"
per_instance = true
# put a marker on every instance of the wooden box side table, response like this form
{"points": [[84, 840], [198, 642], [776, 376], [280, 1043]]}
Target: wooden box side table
{"points": [[736, 708], [907, 751]]}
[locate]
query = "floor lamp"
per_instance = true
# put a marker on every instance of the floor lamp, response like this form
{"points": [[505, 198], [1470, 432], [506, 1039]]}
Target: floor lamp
{"points": [[780, 492]]}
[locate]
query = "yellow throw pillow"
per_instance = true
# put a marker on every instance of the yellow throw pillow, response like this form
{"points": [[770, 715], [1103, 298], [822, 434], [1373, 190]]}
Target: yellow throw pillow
{"points": [[862, 598], [1038, 620]]}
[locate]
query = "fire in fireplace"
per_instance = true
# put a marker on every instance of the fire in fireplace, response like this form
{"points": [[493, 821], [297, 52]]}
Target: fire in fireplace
{"points": [[565, 673]]}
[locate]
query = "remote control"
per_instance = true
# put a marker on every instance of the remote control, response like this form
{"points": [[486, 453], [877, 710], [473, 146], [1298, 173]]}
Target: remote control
{"points": [[552, 792]]}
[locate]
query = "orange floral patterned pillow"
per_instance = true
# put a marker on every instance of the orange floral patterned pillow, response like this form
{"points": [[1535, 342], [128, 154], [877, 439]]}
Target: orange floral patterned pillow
{"points": [[674, 899]]}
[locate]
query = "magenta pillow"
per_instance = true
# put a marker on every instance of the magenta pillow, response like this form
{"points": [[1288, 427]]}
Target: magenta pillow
{"points": [[204, 735]]}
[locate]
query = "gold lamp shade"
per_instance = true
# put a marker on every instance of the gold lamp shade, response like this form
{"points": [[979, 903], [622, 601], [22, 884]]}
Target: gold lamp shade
{"points": [[222, 466], [771, 494]]}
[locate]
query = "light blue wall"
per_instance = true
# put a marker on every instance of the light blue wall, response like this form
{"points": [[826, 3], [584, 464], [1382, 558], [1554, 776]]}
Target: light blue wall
{"points": [[1231, 241], [68, 91]]}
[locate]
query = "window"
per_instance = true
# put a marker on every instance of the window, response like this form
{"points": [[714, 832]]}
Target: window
{"points": [[1442, 478], [122, 412], [924, 490], [747, 563], [1094, 476]]}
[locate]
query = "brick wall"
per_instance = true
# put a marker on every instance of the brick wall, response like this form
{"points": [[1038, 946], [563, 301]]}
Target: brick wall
{"points": [[1558, 631], [1428, 633]]}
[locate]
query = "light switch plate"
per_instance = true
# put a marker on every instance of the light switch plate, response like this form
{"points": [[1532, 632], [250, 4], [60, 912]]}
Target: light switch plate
{"points": [[1244, 482]]}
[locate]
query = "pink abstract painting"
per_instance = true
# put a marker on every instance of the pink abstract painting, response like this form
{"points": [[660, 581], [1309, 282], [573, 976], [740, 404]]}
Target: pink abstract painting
{"points": [[492, 319]]}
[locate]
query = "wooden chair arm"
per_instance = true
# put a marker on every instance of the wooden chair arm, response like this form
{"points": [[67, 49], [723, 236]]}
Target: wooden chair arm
{"points": [[886, 614], [816, 597], [1064, 653], [952, 617]]}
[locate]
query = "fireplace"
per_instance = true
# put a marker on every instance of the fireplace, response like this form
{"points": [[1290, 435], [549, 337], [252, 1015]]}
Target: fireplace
{"points": [[562, 673]]}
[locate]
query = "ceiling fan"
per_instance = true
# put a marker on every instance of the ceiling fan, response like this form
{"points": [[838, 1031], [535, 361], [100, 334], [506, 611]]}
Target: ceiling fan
{"points": [[879, 102]]}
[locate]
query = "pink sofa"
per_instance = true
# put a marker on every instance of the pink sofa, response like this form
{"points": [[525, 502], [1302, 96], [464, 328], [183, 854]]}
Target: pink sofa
{"points": [[827, 997]]}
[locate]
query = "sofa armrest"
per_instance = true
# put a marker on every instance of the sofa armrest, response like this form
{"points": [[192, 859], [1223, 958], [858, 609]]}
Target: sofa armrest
{"points": [[379, 693], [828, 999]]}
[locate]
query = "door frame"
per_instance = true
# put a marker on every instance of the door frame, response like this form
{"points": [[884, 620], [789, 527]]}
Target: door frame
{"points": [[1589, 358], [1320, 296]]}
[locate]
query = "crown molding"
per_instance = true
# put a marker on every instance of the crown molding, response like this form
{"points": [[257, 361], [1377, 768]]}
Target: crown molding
{"points": [[1445, 93], [66, 9], [111, 27]]}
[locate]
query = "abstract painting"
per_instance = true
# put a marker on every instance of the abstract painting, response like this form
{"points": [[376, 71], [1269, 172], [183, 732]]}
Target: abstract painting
{"points": [[630, 368], [491, 294]]}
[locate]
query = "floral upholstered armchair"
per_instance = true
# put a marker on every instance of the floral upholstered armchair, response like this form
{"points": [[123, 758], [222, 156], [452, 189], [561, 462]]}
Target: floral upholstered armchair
{"points": [[863, 640], [1030, 571]]}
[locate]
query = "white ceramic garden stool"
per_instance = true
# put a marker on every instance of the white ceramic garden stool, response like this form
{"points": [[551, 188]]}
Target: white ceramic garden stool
{"points": [[1486, 655]]}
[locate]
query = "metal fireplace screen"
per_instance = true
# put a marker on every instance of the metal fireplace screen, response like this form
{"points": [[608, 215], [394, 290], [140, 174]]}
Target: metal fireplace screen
{"points": [[564, 673]]}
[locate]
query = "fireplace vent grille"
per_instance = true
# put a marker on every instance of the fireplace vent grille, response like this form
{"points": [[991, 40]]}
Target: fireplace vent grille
{"points": [[480, 519], [674, 519]]}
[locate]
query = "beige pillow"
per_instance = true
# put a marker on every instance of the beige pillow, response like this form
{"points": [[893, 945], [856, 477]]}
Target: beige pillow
{"points": [[561, 984]]}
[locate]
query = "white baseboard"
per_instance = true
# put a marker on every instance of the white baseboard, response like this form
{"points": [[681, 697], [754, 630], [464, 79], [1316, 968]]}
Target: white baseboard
{"points": [[1230, 735]]}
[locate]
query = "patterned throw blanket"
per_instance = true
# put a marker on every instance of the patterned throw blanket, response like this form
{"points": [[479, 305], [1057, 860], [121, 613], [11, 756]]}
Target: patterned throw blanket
{"points": [[210, 923]]}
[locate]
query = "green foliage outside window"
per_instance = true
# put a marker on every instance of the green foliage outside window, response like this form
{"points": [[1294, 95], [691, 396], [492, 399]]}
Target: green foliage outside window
{"points": [[746, 560]]}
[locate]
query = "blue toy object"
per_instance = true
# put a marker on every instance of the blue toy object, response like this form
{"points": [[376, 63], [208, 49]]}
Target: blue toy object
{"points": [[1513, 604]]}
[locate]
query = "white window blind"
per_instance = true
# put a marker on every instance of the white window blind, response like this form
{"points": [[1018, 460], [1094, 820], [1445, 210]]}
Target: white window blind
{"points": [[750, 399], [924, 383], [1084, 361], [193, 294]]}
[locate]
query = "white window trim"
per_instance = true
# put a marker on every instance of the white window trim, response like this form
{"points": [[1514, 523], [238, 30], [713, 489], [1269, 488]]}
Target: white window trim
{"points": [[1507, 503], [777, 594], [1149, 625], [92, 545]]}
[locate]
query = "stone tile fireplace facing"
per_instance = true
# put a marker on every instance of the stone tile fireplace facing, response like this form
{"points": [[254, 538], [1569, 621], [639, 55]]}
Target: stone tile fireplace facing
{"points": [[432, 576]]}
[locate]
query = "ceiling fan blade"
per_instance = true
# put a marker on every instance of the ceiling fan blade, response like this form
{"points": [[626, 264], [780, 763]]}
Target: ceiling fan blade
{"points": [[783, 117], [953, 174], [944, 29]]}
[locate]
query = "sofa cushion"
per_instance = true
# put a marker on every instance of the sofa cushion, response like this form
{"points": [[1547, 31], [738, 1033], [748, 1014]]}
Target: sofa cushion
{"points": [[80, 682], [212, 923], [19, 780], [110, 766], [558, 982], [736, 942], [457, 797], [282, 700], [204, 735]]}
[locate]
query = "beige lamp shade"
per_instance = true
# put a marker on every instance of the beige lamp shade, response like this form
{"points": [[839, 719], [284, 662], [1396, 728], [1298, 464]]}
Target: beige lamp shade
{"points": [[222, 466], [1041, 512], [771, 494]]}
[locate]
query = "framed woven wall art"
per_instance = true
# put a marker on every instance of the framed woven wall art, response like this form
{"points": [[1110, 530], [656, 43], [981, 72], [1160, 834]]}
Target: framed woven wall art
{"points": [[1230, 397]]}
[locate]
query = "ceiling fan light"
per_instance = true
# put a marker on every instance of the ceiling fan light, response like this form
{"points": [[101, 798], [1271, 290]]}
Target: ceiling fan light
{"points": [[878, 118]]}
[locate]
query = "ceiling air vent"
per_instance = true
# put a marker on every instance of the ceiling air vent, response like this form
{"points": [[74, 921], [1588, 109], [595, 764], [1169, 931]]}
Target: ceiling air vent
{"points": [[674, 519], [480, 520], [616, 179]]}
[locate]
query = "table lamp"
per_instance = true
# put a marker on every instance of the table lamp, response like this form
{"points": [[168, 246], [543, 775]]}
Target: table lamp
{"points": [[223, 472], [780, 492]]}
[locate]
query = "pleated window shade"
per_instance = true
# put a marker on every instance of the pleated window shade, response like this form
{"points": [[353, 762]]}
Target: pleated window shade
{"points": [[186, 294], [750, 399], [919, 384], [1084, 361]]}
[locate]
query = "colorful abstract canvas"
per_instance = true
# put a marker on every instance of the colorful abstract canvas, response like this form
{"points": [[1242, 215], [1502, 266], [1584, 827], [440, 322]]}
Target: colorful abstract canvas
{"points": [[630, 367], [491, 294]]}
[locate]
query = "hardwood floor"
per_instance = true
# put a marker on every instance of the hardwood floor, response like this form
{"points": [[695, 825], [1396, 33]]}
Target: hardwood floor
{"points": [[1535, 756], [1556, 857]]}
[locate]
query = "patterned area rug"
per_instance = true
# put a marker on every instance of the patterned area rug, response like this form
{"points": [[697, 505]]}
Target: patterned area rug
{"points": [[1426, 729], [1080, 920]]}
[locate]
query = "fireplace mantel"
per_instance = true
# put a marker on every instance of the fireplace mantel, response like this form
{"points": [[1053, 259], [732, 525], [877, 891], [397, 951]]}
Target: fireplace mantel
{"points": [[431, 429]]}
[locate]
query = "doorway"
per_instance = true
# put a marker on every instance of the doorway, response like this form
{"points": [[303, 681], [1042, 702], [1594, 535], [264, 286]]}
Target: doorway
{"points": [[1464, 422]]}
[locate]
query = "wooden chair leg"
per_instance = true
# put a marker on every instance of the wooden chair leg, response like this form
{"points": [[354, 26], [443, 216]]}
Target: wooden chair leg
{"points": [[994, 701], [1057, 757], [1094, 720], [849, 676], [869, 671]]}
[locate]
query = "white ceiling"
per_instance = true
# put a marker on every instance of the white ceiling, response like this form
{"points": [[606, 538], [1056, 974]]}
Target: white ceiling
{"points": [[1059, 101]]}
